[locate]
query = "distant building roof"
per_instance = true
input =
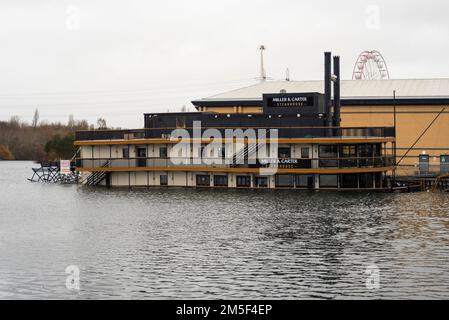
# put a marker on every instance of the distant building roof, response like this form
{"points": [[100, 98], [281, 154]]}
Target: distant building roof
{"points": [[350, 89]]}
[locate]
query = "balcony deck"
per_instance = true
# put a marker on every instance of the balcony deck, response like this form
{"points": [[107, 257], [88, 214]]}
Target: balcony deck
{"points": [[319, 165]]}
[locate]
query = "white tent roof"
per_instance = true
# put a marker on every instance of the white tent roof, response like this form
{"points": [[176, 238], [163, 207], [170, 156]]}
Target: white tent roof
{"points": [[412, 88]]}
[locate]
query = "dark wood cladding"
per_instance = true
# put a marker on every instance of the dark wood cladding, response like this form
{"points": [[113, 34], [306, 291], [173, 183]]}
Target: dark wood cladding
{"points": [[313, 125]]}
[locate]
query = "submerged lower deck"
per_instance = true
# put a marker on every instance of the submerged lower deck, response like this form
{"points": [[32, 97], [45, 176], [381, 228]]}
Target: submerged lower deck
{"points": [[349, 181]]}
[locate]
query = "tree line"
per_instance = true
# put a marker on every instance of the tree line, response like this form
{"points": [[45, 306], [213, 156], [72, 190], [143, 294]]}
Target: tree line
{"points": [[41, 140]]}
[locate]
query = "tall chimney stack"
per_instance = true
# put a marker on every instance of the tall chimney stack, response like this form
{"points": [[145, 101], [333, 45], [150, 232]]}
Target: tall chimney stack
{"points": [[337, 100], [327, 86]]}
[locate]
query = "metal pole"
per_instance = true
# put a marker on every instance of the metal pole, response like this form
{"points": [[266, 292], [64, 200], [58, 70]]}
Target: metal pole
{"points": [[394, 111], [395, 134], [263, 75]]}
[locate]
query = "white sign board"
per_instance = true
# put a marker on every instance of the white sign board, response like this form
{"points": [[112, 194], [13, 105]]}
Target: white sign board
{"points": [[64, 166]]}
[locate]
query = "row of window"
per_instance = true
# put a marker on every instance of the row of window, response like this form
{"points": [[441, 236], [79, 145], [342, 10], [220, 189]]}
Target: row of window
{"points": [[286, 152], [348, 181], [282, 152], [142, 152], [222, 181], [350, 151], [353, 181], [325, 151]]}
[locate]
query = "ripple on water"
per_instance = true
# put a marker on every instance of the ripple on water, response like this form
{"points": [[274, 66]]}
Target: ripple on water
{"points": [[186, 243]]}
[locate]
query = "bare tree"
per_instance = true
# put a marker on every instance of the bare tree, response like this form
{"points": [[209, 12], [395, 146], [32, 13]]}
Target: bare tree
{"points": [[35, 119], [82, 125], [26, 142], [101, 124], [14, 121], [71, 123]]}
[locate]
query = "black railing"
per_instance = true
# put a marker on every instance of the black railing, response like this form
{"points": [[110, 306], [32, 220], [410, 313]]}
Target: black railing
{"points": [[109, 134], [282, 132], [361, 162], [341, 163], [432, 170]]}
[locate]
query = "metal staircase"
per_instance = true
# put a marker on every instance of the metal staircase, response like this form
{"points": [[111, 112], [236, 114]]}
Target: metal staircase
{"points": [[97, 176], [245, 153]]}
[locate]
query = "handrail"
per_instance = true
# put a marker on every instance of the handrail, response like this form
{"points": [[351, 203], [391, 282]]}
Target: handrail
{"points": [[75, 154], [211, 158], [233, 127], [375, 162], [284, 131]]}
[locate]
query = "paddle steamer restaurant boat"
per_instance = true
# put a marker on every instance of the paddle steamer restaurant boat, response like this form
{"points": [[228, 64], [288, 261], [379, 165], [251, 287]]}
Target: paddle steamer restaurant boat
{"points": [[314, 150]]}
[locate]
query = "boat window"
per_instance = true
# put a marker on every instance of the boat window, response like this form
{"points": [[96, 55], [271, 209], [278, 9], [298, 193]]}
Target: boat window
{"points": [[328, 181], [366, 150], [305, 152], [243, 181], [349, 181], [284, 153], [305, 181], [284, 180], [348, 151], [220, 181], [261, 182], [377, 150], [366, 180], [163, 179], [366, 155], [163, 152], [328, 151], [125, 152], [203, 180]]}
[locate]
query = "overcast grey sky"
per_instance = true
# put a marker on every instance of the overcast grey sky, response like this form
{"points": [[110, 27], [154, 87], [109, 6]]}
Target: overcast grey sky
{"points": [[119, 59]]}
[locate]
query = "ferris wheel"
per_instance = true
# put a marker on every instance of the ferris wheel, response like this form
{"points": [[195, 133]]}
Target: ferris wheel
{"points": [[370, 65]]}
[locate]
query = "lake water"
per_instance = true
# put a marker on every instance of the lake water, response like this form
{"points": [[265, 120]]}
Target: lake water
{"points": [[218, 244]]}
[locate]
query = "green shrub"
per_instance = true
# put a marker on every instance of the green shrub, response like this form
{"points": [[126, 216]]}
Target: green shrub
{"points": [[60, 147]]}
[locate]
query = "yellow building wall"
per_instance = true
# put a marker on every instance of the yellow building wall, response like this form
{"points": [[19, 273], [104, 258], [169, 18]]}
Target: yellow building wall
{"points": [[411, 123]]}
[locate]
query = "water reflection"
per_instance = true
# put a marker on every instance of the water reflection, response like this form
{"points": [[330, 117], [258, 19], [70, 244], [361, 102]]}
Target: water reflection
{"points": [[187, 243]]}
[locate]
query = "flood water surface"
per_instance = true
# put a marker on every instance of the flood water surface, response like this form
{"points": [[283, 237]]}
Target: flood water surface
{"points": [[218, 244]]}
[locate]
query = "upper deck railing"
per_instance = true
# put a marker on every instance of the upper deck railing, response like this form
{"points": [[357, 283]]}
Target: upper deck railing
{"points": [[291, 163], [422, 171], [282, 132]]}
